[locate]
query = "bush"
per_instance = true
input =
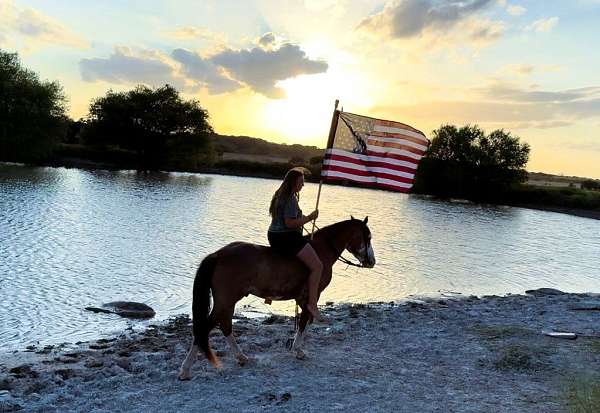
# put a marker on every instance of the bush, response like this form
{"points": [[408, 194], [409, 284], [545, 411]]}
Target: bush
{"points": [[467, 163]]}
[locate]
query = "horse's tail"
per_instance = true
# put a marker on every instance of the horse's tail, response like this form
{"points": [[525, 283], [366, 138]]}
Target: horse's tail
{"points": [[201, 307]]}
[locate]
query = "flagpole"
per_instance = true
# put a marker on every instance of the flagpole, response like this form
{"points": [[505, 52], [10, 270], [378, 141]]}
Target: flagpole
{"points": [[330, 138]]}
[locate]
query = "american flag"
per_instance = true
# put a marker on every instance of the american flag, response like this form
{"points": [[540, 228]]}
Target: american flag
{"points": [[374, 152]]}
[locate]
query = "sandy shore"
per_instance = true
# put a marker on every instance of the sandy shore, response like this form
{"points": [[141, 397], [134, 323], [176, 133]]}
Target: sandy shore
{"points": [[448, 355]]}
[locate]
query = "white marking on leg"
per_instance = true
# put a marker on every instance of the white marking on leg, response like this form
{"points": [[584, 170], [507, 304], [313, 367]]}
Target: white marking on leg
{"points": [[241, 357], [185, 372], [298, 343]]}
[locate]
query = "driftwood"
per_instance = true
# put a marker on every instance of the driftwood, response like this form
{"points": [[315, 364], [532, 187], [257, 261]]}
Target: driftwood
{"points": [[560, 334]]}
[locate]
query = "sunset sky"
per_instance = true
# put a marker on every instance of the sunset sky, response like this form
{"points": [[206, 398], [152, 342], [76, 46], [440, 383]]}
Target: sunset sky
{"points": [[272, 69]]}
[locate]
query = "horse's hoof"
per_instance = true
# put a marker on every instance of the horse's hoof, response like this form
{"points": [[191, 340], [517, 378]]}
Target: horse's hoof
{"points": [[300, 354], [184, 375], [242, 359]]}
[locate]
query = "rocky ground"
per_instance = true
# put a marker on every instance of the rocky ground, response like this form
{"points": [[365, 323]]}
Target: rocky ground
{"points": [[455, 354]]}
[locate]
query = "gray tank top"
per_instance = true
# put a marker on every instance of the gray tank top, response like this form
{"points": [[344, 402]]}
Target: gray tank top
{"points": [[287, 209]]}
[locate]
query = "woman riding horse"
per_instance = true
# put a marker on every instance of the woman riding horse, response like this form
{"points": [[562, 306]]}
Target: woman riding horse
{"points": [[285, 232], [241, 268]]}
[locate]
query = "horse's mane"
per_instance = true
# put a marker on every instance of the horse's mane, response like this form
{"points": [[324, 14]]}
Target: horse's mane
{"points": [[327, 230]]}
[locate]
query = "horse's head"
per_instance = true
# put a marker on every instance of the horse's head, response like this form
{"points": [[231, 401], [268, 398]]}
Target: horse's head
{"points": [[360, 243]]}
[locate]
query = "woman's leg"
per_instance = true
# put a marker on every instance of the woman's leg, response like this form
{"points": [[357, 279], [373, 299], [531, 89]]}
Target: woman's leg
{"points": [[310, 258]]}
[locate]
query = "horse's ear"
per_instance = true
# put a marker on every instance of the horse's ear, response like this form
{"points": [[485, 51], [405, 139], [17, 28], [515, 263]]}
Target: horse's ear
{"points": [[352, 218], [366, 220]]}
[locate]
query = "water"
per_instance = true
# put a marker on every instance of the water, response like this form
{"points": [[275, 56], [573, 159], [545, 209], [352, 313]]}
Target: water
{"points": [[72, 238]]}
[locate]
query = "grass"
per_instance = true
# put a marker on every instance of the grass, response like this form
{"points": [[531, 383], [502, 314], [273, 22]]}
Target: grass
{"points": [[555, 196], [583, 395], [500, 332], [515, 358]]}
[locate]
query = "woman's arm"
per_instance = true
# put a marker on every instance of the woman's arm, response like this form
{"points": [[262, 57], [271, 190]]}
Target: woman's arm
{"points": [[295, 223]]}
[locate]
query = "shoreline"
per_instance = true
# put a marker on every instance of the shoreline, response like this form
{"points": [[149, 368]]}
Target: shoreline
{"points": [[463, 354], [78, 163]]}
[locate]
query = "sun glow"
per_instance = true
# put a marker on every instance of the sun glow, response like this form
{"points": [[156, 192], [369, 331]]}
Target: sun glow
{"points": [[304, 115]]}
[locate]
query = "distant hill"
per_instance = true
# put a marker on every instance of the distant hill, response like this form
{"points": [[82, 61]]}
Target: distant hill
{"points": [[246, 145]]}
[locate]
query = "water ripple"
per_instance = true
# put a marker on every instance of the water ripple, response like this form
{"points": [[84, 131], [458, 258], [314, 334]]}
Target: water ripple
{"points": [[71, 238]]}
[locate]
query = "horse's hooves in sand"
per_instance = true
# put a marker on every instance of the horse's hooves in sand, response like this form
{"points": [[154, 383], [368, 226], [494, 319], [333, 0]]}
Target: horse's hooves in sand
{"points": [[184, 375], [242, 359]]}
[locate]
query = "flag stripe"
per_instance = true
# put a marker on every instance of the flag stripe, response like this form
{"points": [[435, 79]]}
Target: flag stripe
{"points": [[391, 162], [369, 166], [393, 138], [397, 125], [401, 186], [405, 134], [358, 172], [396, 145], [394, 154], [374, 152]]}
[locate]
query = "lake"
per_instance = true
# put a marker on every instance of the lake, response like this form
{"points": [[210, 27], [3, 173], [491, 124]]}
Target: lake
{"points": [[71, 238]]}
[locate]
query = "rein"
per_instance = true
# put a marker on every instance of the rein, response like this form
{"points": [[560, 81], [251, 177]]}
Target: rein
{"points": [[341, 258]]}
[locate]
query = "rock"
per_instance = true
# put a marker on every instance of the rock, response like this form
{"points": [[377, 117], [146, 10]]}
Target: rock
{"points": [[65, 374], [23, 371], [274, 319], [544, 291], [127, 309], [124, 364], [93, 363]]}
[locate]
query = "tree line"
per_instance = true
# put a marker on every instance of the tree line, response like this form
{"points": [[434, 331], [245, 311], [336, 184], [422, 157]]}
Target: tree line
{"points": [[158, 129]]}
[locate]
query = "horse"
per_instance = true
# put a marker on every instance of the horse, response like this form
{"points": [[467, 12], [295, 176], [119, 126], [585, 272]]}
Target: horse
{"points": [[242, 268]]}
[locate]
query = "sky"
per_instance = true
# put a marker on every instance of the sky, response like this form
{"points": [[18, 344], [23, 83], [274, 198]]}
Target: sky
{"points": [[272, 69]]}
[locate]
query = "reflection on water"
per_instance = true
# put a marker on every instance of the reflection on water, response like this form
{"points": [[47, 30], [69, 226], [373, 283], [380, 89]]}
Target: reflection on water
{"points": [[71, 238]]}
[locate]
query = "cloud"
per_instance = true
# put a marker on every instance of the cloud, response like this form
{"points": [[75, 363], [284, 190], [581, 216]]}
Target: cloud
{"points": [[543, 25], [266, 40], [320, 5], [261, 69], [429, 25], [506, 107], [33, 28], [515, 10], [126, 66], [514, 94], [205, 72], [523, 69], [196, 33], [411, 18]]}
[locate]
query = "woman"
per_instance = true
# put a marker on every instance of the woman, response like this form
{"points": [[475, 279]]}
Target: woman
{"points": [[285, 231]]}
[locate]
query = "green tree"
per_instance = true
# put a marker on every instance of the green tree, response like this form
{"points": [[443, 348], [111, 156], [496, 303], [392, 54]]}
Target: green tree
{"points": [[468, 163], [32, 112], [165, 130]]}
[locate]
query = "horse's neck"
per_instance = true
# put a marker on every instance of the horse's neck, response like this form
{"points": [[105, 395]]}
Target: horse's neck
{"points": [[334, 241]]}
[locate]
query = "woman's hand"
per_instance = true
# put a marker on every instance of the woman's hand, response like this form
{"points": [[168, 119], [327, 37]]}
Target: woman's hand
{"points": [[313, 215]]}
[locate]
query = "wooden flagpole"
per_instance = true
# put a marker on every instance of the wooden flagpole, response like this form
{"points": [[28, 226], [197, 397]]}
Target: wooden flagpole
{"points": [[332, 128]]}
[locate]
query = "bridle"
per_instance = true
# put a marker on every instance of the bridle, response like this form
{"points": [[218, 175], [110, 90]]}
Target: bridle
{"points": [[359, 252]]}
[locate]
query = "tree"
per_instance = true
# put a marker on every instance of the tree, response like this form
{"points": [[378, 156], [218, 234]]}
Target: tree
{"points": [[32, 112], [468, 163], [165, 130]]}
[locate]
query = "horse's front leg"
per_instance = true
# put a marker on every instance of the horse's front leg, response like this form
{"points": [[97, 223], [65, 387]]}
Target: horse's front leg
{"points": [[297, 346]]}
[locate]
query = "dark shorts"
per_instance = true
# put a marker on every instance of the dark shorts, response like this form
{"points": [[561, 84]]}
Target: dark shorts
{"points": [[287, 243]]}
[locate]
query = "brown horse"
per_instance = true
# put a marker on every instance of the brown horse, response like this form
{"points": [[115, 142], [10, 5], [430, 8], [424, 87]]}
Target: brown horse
{"points": [[241, 268]]}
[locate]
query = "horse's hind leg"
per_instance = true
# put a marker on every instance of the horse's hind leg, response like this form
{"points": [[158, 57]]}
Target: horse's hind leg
{"points": [[185, 372], [300, 334], [225, 323]]}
